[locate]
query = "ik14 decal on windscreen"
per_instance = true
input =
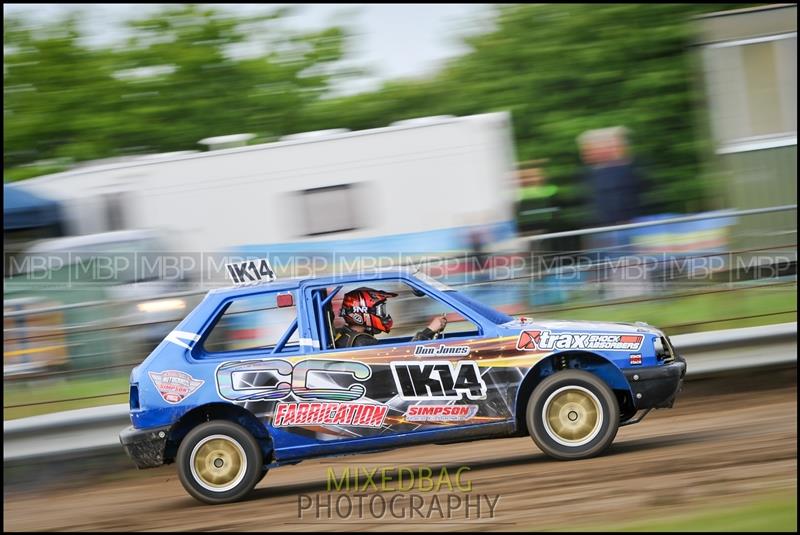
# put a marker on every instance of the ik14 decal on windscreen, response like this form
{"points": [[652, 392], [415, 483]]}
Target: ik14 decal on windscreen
{"points": [[250, 272]]}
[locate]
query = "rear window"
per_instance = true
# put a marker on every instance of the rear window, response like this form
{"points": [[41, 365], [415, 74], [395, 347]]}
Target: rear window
{"points": [[252, 322]]}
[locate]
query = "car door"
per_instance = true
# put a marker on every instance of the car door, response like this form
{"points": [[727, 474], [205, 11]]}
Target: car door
{"points": [[410, 391]]}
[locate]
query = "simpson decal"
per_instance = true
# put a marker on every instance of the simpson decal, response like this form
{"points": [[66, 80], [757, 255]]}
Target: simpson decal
{"points": [[347, 414], [440, 413], [545, 340], [441, 351], [175, 386], [438, 380]]}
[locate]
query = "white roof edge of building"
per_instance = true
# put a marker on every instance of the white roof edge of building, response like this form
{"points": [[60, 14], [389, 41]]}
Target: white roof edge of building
{"points": [[154, 159]]}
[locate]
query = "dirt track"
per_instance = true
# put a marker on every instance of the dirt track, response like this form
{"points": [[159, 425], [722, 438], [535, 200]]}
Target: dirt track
{"points": [[725, 442]]}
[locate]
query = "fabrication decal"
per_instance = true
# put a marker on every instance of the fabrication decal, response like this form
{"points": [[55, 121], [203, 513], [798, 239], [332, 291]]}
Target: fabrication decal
{"points": [[348, 414], [175, 386], [324, 390], [546, 340]]}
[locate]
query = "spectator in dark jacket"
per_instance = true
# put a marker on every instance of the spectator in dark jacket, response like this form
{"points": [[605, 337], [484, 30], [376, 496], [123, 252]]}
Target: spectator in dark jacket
{"points": [[613, 183]]}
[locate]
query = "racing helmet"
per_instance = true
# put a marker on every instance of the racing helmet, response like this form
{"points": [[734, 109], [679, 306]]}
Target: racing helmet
{"points": [[367, 307]]}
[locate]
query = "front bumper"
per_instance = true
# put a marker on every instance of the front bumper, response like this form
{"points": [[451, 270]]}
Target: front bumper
{"points": [[145, 446], [655, 387]]}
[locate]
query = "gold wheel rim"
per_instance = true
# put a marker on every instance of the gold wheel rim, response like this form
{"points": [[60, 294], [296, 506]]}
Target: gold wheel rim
{"points": [[572, 416], [218, 463]]}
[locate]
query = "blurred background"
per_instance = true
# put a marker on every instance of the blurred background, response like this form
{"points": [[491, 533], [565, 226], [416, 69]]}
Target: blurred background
{"points": [[615, 162], [145, 145]]}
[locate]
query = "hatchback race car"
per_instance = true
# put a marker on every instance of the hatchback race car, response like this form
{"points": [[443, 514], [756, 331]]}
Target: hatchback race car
{"points": [[252, 379]]}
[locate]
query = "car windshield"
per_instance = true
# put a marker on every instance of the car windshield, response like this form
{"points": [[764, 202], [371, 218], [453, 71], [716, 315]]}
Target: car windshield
{"points": [[433, 283], [487, 312]]}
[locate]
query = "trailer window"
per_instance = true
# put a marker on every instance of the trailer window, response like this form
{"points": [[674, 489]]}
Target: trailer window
{"points": [[329, 209]]}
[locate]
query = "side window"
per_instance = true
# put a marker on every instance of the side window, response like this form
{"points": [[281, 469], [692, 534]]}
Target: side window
{"points": [[255, 322], [410, 313]]}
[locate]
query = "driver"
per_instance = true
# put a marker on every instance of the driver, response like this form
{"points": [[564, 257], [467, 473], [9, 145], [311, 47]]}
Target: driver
{"points": [[364, 311]]}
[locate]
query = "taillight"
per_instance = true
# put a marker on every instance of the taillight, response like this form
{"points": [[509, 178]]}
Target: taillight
{"points": [[134, 401]]}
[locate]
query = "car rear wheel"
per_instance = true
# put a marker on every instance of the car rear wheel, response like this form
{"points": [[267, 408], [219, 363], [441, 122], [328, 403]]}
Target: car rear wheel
{"points": [[572, 414], [219, 462]]}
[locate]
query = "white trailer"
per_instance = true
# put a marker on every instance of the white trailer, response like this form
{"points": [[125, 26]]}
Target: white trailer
{"points": [[415, 183]]}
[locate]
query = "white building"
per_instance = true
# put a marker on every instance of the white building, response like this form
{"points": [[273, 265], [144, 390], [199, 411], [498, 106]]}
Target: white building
{"points": [[412, 184]]}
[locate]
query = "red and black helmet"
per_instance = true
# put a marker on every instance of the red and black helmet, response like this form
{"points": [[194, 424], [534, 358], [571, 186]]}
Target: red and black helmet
{"points": [[367, 307]]}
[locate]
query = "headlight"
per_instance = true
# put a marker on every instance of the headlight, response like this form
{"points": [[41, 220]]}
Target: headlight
{"points": [[162, 305], [662, 348]]}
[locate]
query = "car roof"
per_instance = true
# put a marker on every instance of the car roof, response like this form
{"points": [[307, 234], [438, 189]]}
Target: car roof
{"points": [[294, 283]]}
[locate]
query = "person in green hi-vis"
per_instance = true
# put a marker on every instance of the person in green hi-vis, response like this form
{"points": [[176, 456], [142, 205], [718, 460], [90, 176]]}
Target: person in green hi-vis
{"points": [[536, 208], [536, 214]]}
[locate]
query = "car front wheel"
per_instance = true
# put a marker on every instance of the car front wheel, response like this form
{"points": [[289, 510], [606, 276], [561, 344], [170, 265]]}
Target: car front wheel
{"points": [[219, 462], [572, 414]]}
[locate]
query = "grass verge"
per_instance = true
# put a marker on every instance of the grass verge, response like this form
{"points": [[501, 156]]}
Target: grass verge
{"points": [[777, 513]]}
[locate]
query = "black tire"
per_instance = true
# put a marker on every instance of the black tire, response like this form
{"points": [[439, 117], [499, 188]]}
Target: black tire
{"points": [[219, 441], [567, 394]]}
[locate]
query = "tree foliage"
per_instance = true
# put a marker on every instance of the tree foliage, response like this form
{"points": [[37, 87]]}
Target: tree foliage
{"points": [[559, 69], [176, 80], [562, 69]]}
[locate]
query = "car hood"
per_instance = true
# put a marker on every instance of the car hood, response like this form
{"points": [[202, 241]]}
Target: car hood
{"points": [[580, 326]]}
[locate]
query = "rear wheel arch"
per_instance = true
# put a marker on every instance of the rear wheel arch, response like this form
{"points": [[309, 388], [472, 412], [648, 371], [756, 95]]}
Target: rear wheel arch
{"points": [[577, 360], [217, 411]]}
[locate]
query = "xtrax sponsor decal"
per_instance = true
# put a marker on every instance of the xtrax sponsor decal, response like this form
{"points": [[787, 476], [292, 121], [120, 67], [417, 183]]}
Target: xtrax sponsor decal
{"points": [[545, 340], [440, 413], [434, 380], [347, 414], [175, 386], [441, 351], [276, 379]]}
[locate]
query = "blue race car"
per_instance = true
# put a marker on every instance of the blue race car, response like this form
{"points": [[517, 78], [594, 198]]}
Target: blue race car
{"points": [[255, 377]]}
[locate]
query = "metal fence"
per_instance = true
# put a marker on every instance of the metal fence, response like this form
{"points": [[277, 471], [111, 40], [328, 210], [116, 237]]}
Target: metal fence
{"points": [[89, 432], [60, 356]]}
